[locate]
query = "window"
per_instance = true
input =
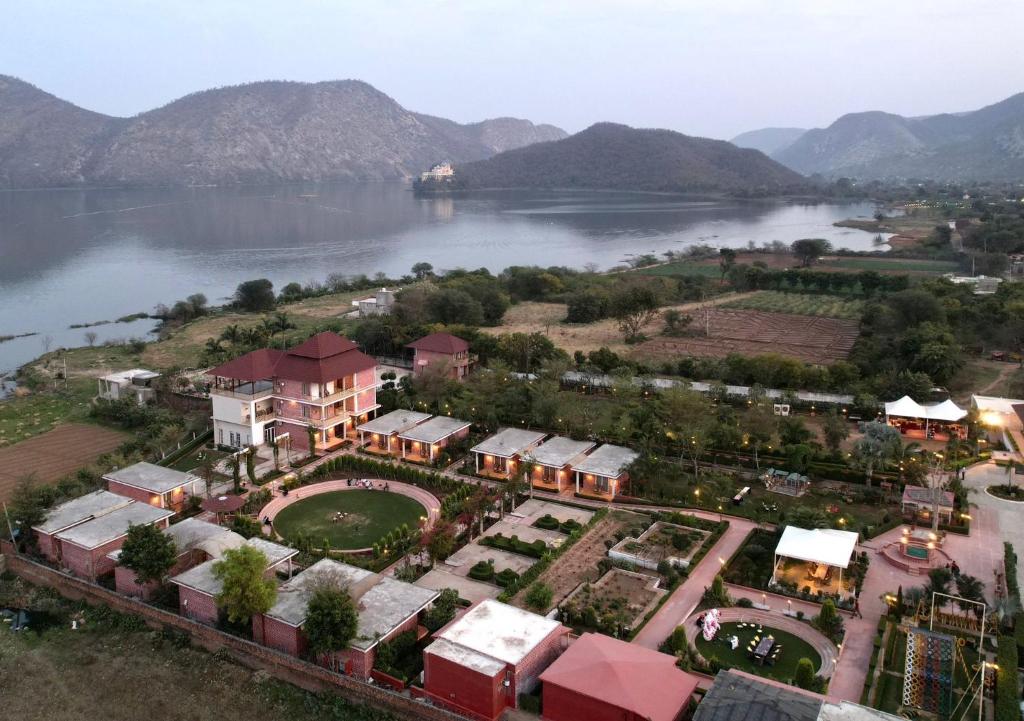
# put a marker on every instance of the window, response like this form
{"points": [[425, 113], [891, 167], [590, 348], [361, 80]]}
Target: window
{"points": [[305, 389], [305, 411], [220, 436]]}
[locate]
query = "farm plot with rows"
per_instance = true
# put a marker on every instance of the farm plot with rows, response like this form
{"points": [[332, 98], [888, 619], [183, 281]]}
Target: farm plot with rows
{"points": [[750, 332], [824, 306]]}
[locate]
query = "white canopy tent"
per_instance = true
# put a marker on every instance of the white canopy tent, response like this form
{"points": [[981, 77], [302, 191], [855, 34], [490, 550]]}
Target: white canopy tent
{"points": [[907, 407], [825, 546]]}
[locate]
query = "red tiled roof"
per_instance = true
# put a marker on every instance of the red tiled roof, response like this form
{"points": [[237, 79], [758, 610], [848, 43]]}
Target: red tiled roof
{"points": [[644, 682], [440, 343], [324, 357], [254, 366]]}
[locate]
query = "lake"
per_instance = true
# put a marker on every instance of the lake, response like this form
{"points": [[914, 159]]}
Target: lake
{"points": [[81, 256]]}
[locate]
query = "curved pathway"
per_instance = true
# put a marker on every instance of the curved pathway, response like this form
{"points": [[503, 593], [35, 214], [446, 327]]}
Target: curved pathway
{"points": [[424, 498], [825, 648]]}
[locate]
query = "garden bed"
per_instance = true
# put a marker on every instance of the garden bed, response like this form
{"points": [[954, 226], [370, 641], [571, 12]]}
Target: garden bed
{"points": [[613, 604], [1007, 493], [662, 542]]}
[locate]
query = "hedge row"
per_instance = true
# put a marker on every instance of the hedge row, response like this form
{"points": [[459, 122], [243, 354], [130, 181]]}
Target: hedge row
{"points": [[389, 471], [533, 572], [1007, 695], [514, 545]]}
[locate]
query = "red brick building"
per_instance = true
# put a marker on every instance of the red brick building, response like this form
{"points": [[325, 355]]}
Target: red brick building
{"points": [[386, 606], [198, 587], [73, 513], [84, 549], [195, 542], [445, 351], [600, 678], [156, 485], [480, 663]]}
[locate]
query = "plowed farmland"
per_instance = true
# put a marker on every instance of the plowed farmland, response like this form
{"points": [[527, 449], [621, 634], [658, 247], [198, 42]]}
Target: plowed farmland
{"points": [[55, 454], [749, 332]]}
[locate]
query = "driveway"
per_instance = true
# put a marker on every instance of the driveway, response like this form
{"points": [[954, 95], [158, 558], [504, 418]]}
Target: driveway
{"points": [[1008, 515]]}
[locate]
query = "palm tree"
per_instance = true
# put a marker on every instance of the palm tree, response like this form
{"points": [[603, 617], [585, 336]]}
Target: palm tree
{"points": [[231, 334], [970, 588]]}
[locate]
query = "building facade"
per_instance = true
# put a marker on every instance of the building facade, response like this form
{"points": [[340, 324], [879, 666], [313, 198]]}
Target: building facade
{"points": [[325, 382], [444, 351]]}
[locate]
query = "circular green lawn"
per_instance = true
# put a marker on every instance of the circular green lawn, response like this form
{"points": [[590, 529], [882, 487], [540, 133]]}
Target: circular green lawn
{"points": [[793, 649], [369, 516]]}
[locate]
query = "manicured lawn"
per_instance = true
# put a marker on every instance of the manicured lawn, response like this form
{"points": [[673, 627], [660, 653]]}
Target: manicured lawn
{"points": [[370, 515], [793, 649], [823, 306]]}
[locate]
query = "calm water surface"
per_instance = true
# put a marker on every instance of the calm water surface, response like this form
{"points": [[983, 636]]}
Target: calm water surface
{"points": [[80, 256]]}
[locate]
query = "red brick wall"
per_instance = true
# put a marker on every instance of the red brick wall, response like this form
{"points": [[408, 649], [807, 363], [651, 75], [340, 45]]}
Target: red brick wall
{"points": [[543, 655], [198, 606], [275, 634], [561, 704], [89, 564], [47, 545], [124, 582], [292, 670], [137, 493], [459, 687]]}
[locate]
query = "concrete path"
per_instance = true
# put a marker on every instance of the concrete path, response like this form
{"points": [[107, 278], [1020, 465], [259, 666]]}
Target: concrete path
{"points": [[687, 596], [1004, 519]]}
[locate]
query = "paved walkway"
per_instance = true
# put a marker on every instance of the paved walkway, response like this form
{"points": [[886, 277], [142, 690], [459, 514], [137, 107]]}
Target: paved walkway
{"points": [[687, 596], [1006, 518]]}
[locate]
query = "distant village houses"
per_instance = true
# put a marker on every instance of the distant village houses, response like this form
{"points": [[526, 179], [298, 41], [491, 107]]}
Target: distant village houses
{"points": [[440, 173]]}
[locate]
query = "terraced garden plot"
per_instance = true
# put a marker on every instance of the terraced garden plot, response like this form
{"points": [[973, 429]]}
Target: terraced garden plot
{"points": [[824, 306], [750, 332]]}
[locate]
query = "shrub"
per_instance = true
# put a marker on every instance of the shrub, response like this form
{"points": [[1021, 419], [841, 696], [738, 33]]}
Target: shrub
{"points": [[539, 596], [570, 526], [803, 677], [744, 602], [506, 577], [547, 522], [482, 571]]}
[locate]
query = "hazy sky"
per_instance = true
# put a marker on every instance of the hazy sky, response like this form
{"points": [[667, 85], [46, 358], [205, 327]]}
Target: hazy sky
{"points": [[711, 68]]}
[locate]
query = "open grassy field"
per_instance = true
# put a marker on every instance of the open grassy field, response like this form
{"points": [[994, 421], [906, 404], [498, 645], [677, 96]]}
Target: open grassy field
{"points": [[824, 306], [23, 417], [55, 454], [793, 649], [889, 265], [103, 672], [369, 516]]}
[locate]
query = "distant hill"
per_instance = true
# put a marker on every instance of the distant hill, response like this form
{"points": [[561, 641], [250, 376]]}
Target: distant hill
{"points": [[258, 133], [610, 156], [985, 144], [768, 140]]}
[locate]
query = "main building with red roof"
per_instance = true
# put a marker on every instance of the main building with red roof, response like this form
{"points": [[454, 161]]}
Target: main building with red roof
{"points": [[325, 382], [600, 678]]}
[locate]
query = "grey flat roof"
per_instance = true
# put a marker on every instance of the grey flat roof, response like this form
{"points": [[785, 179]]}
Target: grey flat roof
{"points": [[393, 422], [508, 442], [607, 461], [384, 603], [275, 552], [151, 477], [81, 509], [113, 525], [436, 429], [559, 451], [500, 631], [192, 534], [738, 697], [200, 578]]}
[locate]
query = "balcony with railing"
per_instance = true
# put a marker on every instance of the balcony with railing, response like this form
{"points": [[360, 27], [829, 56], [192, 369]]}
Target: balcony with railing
{"points": [[249, 390], [335, 397]]}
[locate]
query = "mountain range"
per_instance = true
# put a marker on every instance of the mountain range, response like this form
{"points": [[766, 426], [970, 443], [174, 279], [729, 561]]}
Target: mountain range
{"points": [[768, 140], [257, 133], [985, 144], [618, 157]]}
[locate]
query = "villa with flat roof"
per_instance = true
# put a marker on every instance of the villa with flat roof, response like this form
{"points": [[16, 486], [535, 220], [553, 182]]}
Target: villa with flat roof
{"points": [[553, 460], [383, 430], [386, 607], [156, 485], [498, 456], [423, 442], [605, 471], [72, 513], [198, 587], [83, 549], [479, 663], [136, 383], [195, 541], [325, 382]]}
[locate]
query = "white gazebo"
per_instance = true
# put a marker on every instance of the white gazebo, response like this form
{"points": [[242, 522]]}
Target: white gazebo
{"points": [[906, 413], [825, 547]]}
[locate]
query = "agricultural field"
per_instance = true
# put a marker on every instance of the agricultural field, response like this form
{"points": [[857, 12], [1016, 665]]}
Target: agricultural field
{"points": [[823, 306], [25, 416], [750, 332], [889, 265], [55, 454], [709, 267]]}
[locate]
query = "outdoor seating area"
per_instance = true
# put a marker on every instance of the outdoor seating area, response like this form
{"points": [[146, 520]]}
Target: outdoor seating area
{"points": [[814, 558], [939, 421], [785, 482]]}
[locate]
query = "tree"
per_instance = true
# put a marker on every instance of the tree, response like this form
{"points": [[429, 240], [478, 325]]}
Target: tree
{"points": [[808, 250], [276, 450], [828, 621], [759, 426], [236, 475], [539, 596], [879, 444], [970, 588], [311, 439], [939, 580], [244, 590], [836, 429], [689, 421], [331, 619], [793, 431], [255, 295], [149, 552], [442, 610], [677, 323], [90, 337], [250, 464], [440, 540], [453, 306], [803, 677], [726, 261], [634, 307], [422, 270]]}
